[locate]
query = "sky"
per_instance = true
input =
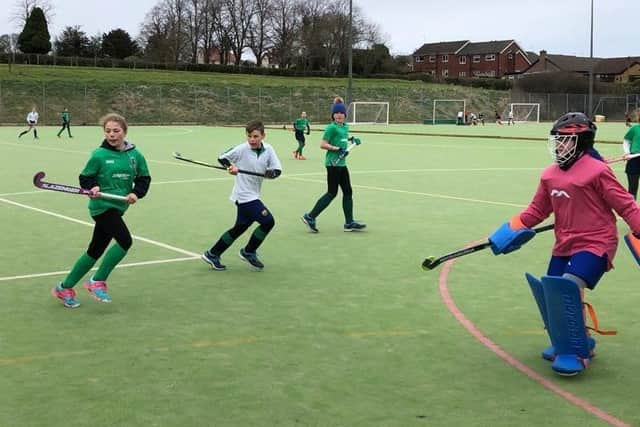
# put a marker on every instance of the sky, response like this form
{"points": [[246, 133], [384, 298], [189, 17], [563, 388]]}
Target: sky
{"points": [[557, 26]]}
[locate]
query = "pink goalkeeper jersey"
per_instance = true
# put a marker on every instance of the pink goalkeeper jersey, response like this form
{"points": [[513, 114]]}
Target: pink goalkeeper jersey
{"points": [[582, 200]]}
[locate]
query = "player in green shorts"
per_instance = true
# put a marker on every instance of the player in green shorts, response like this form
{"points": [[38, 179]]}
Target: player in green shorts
{"points": [[300, 126], [116, 167], [66, 123]]}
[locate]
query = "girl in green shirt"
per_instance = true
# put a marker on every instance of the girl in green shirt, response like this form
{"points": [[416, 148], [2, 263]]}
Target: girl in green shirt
{"points": [[115, 167]]}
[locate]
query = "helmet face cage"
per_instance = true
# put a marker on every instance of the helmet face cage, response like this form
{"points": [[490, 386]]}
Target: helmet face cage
{"points": [[563, 148]]}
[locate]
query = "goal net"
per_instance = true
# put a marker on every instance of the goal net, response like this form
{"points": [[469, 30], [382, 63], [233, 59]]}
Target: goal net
{"points": [[445, 111], [523, 112], [368, 113]]}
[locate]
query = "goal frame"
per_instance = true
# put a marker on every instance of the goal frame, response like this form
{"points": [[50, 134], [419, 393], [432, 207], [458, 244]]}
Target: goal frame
{"points": [[525, 104], [353, 108], [435, 102]]}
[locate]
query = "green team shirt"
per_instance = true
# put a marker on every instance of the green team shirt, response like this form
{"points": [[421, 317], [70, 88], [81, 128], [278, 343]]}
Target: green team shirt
{"points": [[115, 172], [633, 136], [301, 123], [66, 117], [337, 135]]}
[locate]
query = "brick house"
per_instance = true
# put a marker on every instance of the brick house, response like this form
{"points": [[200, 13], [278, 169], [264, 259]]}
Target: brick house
{"points": [[468, 59], [604, 69]]}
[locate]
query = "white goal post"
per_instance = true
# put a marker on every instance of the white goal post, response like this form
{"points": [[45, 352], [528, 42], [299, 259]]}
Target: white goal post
{"points": [[368, 113], [523, 112], [446, 110]]}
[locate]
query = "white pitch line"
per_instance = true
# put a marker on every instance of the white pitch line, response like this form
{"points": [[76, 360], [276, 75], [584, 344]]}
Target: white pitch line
{"points": [[417, 193], [77, 221], [131, 264]]}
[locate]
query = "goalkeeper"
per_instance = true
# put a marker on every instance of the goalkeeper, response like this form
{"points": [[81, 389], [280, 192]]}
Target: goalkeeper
{"points": [[300, 126], [582, 193], [335, 140]]}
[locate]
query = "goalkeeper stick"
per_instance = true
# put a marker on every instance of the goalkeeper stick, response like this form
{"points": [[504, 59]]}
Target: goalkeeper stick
{"points": [[63, 188], [622, 158], [179, 156], [432, 262]]}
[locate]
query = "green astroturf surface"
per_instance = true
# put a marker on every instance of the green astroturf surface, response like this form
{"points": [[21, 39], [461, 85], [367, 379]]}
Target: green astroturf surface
{"points": [[340, 329]]}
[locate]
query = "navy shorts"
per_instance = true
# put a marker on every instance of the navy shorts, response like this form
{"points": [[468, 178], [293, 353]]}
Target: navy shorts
{"points": [[585, 265], [251, 211]]}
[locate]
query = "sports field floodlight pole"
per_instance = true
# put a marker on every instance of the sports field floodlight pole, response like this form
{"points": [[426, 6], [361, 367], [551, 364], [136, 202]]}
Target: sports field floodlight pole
{"points": [[350, 55], [590, 112]]}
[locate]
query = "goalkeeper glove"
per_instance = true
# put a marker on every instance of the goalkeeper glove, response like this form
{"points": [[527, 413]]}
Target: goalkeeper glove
{"points": [[510, 236]]}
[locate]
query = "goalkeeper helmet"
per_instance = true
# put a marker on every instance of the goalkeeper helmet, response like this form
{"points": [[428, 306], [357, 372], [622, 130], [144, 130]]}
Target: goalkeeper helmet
{"points": [[571, 135]]}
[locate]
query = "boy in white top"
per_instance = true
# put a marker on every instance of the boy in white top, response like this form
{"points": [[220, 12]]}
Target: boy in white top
{"points": [[32, 122], [256, 156]]}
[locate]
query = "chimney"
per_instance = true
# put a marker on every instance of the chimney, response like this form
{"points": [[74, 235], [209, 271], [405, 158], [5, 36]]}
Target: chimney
{"points": [[543, 59]]}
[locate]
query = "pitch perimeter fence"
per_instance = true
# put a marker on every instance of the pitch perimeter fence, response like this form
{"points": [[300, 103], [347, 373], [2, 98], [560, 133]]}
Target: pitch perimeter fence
{"points": [[158, 104]]}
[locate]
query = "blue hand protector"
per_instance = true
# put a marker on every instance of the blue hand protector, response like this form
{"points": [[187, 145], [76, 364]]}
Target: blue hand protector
{"points": [[509, 237]]}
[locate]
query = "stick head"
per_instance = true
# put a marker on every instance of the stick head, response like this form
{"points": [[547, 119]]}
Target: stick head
{"points": [[177, 155], [428, 264], [37, 179]]}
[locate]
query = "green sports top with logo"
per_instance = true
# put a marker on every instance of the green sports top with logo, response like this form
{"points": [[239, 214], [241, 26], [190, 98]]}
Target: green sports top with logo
{"points": [[66, 117], [337, 135], [115, 172], [301, 123]]}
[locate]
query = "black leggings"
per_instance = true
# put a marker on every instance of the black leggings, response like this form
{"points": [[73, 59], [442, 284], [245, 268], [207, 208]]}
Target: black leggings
{"points": [[633, 184], [109, 225], [338, 176]]}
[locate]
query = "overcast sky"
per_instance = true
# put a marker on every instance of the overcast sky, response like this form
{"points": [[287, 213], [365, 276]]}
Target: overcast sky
{"points": [[558, 26]]}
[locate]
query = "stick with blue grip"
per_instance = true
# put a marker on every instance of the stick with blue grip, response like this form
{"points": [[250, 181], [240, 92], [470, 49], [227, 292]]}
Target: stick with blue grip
{"points": [[432, 262]]}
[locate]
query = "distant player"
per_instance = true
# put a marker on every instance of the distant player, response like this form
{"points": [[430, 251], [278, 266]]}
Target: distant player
{"points": [[32, 122], [116, 167], [301, 126], [510, 118], [498, 118], [258, 156], [627, 119], [631, 145], [582, 193], [66, 123]]}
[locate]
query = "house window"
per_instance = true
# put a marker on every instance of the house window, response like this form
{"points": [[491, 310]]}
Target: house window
{"points": [[510, 56], [490, 57], [476, 59], [462, 74], [419, 58], [445, 73], [462, 60], [445, 58], [432, 58]]}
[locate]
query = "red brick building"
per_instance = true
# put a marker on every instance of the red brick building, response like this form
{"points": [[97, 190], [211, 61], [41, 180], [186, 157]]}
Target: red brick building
{"points": [[468, 59]]}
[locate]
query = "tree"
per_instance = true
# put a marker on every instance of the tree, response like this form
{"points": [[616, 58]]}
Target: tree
{"points": [[73, 42], [35, 37], [260, 33], [118, 44], [22, 9], [284, 24], [238, 14]]}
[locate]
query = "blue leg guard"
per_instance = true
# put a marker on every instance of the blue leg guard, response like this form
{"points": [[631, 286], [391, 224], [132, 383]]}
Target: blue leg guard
{"points": [[538, 294], [566, 325]]}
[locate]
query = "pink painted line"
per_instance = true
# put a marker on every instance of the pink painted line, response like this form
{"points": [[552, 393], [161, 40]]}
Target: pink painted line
{"points": [[477, 333]]}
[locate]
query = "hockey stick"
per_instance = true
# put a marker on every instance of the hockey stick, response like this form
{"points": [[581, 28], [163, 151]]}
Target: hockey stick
{"points": [[179, 156], [622, 158], [38, 182], [343, 154], [432, 262]]}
